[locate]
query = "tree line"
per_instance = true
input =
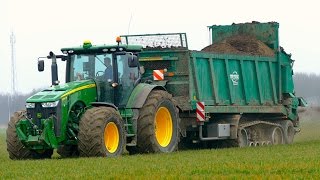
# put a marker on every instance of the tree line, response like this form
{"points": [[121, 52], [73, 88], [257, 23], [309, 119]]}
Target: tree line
{"points": [[12, 103], [306, 85]]}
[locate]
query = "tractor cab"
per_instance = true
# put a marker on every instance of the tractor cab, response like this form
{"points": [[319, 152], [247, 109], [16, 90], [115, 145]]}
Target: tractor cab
{"points": [[114, 69]]}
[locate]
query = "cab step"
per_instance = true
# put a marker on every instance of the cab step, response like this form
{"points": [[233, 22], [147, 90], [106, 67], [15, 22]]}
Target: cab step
{"points": [[130, 135]]}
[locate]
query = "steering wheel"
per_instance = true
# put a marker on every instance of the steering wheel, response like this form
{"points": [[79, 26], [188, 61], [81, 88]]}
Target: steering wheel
{"points": [[97, 74]]}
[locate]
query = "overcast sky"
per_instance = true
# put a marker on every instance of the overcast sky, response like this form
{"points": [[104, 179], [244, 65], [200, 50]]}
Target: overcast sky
{"points": [[41, 26]]}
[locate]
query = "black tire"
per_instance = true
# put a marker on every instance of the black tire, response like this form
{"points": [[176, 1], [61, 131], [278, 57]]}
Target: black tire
{"points": [[15, 148], [288, 131], [92, 140], [68, 151], [158, 101]]}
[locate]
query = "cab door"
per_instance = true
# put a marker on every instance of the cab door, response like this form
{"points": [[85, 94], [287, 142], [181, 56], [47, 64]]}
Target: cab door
{"points": [[127, 79], [106, 93]]}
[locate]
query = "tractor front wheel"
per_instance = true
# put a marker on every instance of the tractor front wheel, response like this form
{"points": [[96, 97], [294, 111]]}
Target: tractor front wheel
{"points": [[15, 148], [101, 133]]}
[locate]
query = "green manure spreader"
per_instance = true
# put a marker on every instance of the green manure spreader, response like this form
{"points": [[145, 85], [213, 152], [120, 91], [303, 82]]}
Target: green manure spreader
{"points": [[150, 93]]}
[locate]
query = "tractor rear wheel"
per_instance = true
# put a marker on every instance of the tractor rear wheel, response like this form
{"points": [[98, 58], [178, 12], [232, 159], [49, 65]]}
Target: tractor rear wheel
{"points": [[158, 124], [101, 133], [14, 146]]}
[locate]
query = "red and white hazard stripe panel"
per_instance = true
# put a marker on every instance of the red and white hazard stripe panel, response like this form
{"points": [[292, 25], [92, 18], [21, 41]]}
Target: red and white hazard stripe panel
{"points": [[158, 75], [200, 112]]}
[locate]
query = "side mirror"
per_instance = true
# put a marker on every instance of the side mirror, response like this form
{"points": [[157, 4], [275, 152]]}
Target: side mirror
{"points": [[133, 61], [40, 65]]}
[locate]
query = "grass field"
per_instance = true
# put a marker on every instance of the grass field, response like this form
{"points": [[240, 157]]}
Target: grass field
{"points": [[300, 160]]}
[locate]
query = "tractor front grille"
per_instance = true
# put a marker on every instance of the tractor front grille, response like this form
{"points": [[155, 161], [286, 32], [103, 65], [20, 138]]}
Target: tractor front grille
{"points": [[38, 112]]}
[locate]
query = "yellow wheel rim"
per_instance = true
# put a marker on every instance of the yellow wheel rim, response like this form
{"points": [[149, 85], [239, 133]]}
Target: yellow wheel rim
{"points": [[111, 137], [163, 126]]}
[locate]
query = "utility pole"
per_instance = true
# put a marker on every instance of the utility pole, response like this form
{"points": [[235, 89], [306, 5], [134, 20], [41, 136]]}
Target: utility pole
{"points": [[13, 63], [12, 93]]}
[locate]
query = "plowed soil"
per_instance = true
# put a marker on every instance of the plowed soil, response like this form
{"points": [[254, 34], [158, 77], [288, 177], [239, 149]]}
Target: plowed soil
{"points": [[245, 45]]}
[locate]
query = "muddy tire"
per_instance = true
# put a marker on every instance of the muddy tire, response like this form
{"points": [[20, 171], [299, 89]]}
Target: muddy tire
{"points": [[288, 131], [68, 151], [101, 133], [15, 148], [158, 124]]}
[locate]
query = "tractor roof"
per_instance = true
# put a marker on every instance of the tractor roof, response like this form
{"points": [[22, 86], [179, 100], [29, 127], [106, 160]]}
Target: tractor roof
{"points": [[87, 47]]}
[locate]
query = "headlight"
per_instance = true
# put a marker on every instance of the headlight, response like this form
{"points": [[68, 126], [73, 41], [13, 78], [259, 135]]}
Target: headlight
{"points": [[49, 104], [30, 105]]}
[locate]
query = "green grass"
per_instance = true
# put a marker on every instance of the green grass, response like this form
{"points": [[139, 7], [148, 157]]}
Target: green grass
{"points": [[300, 160]]}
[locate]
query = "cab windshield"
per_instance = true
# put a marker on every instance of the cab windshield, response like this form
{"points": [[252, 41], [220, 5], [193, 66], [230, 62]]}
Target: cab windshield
{"points": [[102, 67]]}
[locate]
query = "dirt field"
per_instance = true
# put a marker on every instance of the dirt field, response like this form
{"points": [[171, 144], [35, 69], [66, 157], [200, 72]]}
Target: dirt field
{"points": [[245, 45]]}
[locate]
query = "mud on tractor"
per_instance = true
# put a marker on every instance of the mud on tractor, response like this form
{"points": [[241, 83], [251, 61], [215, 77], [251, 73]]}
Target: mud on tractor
{"points": [[158, 96]]}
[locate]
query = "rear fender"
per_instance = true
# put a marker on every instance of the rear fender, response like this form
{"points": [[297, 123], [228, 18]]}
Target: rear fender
{"points": [[140, 94]]}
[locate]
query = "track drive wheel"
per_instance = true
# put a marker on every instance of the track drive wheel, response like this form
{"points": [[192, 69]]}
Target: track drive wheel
{"points": [[276, 135], [288, 131], [243, 140]]}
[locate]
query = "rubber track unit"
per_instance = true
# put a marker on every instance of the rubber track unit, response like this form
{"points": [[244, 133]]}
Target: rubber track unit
{"points": [[258, 122]]}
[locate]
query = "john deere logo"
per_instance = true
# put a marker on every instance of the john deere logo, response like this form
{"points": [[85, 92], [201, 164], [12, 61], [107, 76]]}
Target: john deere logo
{"points": [[234, 78], [39, 115]]}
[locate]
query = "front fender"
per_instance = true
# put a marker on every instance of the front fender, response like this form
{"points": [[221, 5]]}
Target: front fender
{"points": [[140, 94]]}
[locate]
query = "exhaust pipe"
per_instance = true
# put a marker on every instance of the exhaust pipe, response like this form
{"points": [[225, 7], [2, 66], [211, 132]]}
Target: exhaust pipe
{"points": [[54, 69]]}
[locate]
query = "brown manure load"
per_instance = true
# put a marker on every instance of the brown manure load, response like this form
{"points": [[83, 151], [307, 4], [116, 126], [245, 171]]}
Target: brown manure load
{"points": [[244, 45]]}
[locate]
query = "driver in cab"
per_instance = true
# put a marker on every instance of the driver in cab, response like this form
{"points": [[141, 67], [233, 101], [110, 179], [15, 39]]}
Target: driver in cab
{"points": [[108, 72]]}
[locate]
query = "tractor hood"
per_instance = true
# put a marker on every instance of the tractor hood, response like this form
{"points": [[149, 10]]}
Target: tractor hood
{"points": [[57, 92]]}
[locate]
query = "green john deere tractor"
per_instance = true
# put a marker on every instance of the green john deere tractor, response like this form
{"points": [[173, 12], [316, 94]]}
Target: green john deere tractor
{"points": [[93, 114]]}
